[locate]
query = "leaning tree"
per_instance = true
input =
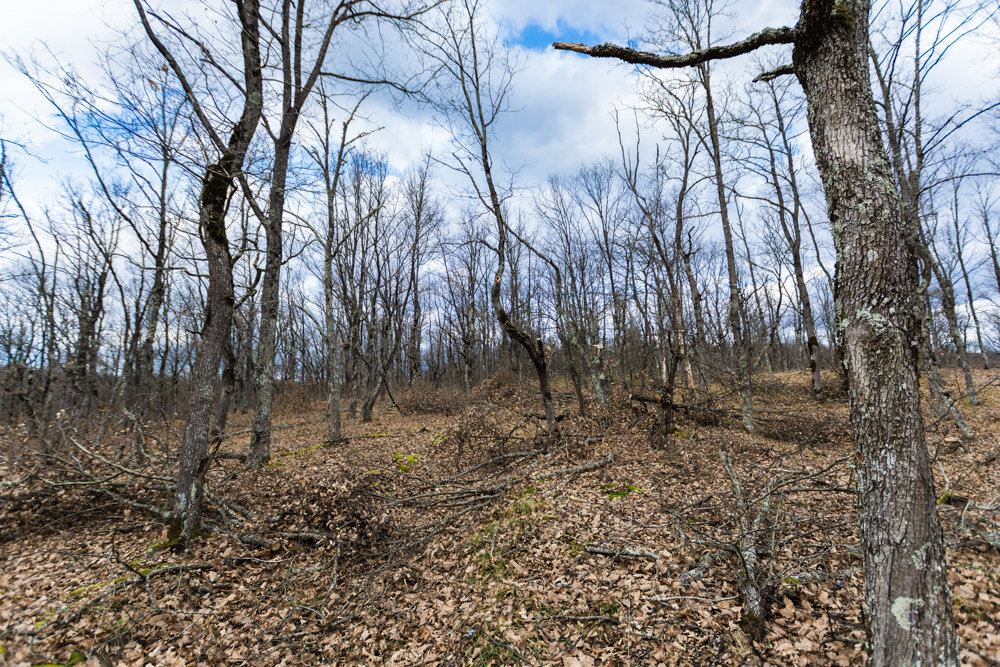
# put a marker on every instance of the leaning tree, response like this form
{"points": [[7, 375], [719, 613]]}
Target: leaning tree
{"points": [[217, 186]]}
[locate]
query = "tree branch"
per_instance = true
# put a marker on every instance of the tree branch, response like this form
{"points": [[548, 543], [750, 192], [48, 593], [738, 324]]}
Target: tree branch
{"points": [[784, 35], [774, 73]]}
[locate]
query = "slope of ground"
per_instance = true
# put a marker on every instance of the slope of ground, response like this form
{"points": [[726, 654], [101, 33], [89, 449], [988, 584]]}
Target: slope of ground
{"points": [[474, 539]]}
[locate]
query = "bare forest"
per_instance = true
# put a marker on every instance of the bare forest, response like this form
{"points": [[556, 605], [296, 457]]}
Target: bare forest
{"points": [[468, 332]]}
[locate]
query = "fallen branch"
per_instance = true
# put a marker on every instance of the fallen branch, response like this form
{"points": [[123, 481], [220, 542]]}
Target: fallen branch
{"points": [[310, 535], [482, 495], [585, 467], [565, 482], [745, 556], [819, 576], [696, 573], [675, 598], [586, 619], [252, 540], [495, 459]]}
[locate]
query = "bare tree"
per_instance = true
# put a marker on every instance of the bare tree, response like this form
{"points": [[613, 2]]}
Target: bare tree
{"points": [[6, 190], [464, 299], [580, 316], [910, 46], [424, 215], [779, 169], [139, 121], [298, 77], [474, 82], [330, 154], [216, 188], [961, 233], [690, 23]]}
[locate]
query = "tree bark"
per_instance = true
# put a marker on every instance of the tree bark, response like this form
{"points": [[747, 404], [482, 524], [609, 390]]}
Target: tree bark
{"points": [[260, 439], [295, 91], [216, 329], [908, 602]]}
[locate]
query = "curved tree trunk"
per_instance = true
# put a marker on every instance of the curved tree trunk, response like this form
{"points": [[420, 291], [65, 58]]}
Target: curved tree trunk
{"points": [[216, 329]]}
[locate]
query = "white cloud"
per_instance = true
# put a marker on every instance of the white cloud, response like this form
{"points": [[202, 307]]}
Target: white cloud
{"points": [[565, 119], [564, 102]]}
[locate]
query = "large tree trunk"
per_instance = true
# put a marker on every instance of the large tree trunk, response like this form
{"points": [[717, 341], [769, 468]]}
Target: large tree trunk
{"points": [[226, 389], [215, 330], [906, 588]]}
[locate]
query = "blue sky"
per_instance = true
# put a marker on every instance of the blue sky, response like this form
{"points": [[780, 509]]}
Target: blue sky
{"points": [[538, 38], [561, 96]]}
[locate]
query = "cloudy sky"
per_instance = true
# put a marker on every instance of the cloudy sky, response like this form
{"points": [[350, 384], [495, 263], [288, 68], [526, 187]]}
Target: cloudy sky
{"points": [[564, 102]]}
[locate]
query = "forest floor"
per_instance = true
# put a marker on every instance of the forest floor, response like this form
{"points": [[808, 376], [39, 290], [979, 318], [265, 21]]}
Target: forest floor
{"points": [[454, 536]]}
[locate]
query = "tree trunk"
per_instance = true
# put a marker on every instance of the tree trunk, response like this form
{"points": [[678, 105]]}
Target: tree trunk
{"points": [[260, 438], [948, 305], [333, 366], [908, 602], [951, 317], [295, 90], [960, 255], [699, 340], [741, 346], [972, 305], [992, 243], [812, 342], [574, 376], [793, 234], [941, 401], [217, 326]]}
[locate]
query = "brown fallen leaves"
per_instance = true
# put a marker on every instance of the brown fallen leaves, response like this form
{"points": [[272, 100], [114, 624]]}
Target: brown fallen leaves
{"points": [[345, 555]]}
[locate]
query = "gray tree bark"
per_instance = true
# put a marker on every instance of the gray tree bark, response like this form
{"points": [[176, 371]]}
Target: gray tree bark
{"points": [[908, 602], [295, 90]]}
